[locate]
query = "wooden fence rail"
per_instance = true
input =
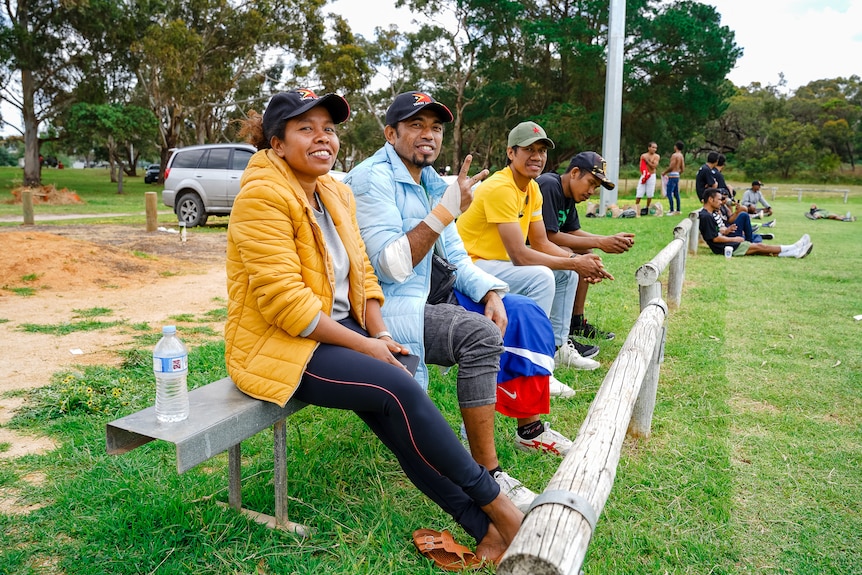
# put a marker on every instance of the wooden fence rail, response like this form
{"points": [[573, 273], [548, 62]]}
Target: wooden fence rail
{"points": [[672, 257], [558, 527]]}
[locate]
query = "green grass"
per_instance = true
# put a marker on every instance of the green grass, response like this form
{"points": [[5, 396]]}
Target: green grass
{"points": [[22, 291], [99, 195], [93, 312], [753, 465], [67, 327]]}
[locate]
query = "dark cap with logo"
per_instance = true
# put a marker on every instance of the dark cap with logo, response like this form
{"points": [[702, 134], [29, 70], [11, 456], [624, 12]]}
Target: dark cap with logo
{"points": [[286, 105], [756, 183], [593, 163], [408, 104]]}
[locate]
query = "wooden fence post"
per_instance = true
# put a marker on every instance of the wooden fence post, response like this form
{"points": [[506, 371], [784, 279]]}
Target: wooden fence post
{"points": [[676, 269], [27, 206], [556, 532], [150, 199], [693, 232], [640, 425]]}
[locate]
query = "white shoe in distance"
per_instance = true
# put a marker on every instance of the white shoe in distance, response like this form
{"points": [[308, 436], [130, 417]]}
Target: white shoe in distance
{"points": [[568, 356], [514, 490], [559, 389]]}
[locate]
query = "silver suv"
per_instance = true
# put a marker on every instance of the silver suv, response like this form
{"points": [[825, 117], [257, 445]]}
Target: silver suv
{"points": [[204, 180]]}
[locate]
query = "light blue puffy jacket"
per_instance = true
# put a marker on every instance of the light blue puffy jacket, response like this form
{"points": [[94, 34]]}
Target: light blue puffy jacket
{"points": [[388, 205]]}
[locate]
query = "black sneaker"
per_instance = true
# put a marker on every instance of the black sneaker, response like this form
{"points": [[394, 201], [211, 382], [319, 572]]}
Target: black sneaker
{"points": [[767, 236], [585, 350], [590, 331]]}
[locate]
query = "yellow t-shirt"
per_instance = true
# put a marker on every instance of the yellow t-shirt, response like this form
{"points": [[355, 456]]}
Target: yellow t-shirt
{"points": [[498, 200]]}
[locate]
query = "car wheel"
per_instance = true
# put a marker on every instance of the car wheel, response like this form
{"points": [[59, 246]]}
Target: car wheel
{"points": [[190, 209]]}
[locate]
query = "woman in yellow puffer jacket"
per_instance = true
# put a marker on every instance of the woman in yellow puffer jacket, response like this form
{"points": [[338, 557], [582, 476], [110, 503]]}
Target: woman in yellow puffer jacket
{"points": [[303, 300]]}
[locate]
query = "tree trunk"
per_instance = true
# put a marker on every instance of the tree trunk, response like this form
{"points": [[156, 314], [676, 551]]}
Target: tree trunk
{"points": [[32, 166]]}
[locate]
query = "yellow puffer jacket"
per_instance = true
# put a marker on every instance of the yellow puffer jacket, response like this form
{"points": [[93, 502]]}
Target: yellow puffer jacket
{"points": [[280, 275]]}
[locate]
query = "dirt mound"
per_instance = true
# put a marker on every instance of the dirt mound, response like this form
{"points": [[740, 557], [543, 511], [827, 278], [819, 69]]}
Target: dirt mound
{"points": [[41, 260], [48, 195]]}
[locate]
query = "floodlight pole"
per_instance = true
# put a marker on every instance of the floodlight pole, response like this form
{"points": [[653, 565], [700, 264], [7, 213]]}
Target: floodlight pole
{"points": [[613, 99]]}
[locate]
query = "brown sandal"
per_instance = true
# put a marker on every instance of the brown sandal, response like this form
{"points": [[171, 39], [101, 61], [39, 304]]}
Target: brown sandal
{"points": [[441, 548]]}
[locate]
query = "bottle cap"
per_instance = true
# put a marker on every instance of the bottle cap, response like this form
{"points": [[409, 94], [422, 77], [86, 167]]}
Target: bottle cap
{"points": [[169, 329]]}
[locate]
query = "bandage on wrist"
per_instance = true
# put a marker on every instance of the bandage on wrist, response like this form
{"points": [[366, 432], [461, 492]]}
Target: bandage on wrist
{"points": [[438, 219]]}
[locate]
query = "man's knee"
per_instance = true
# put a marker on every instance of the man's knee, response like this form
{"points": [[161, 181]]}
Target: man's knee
{"points": [[475, 335]]}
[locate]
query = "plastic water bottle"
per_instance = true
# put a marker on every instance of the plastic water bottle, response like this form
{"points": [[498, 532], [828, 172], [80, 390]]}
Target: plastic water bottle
{"points": [[171, 366]]}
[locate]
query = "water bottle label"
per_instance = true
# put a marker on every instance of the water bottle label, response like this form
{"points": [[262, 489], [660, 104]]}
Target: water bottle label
{"points": [[170, 364]]}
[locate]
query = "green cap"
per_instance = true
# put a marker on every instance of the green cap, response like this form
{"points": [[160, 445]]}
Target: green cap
{"points": [[527, 133]]}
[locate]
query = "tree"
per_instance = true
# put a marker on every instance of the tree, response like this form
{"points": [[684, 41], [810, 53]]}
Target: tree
{"points": [[39, 52], [124, 131], [196, 55], [834, 107]]}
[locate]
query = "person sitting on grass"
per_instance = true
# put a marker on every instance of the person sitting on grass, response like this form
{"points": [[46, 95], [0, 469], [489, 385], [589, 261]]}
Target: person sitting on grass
{"points": [[752, 197], [717, 238], [304, 320], [816, 213]]}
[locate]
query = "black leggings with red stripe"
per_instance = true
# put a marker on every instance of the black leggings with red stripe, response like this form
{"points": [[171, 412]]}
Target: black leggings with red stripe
{"points": [[401, 414]]}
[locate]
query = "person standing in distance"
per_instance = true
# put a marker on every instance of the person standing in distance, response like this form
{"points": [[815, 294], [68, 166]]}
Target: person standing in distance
{"points": [[646, 185], [673, 173]]}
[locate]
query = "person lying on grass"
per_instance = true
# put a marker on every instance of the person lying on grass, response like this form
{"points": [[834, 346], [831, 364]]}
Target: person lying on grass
{"points": [[304, 309], [717, 238], [816, 213]]}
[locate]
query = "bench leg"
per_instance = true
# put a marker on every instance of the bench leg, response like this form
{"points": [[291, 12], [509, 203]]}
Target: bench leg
{"points": [[234, 464], [279, 445], [280, 520]]}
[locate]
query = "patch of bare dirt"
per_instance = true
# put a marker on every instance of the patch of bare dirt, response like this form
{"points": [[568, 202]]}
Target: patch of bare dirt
{"points": [[142, 277]]}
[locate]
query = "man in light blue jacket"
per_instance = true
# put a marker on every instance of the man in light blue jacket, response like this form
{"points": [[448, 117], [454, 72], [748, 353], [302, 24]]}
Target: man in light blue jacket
{"points": [[404, 210]]}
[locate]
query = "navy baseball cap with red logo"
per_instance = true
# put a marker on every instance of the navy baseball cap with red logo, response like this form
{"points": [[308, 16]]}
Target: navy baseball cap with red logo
{"points": [[593, 163], [408, 104], [286, 105]]}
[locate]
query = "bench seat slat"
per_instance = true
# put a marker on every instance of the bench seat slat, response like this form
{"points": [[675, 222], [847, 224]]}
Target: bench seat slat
{"points": [[220, 416]]}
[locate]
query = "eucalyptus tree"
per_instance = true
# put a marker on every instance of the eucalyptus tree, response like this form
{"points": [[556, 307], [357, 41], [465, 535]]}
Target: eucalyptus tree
{"points": [[198, 55], [40, 55], [546, 60], [124, 131]]}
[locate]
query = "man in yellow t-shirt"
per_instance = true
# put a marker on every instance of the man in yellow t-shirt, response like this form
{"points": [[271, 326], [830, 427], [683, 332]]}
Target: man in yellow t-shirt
{"points": [[505, 213]]}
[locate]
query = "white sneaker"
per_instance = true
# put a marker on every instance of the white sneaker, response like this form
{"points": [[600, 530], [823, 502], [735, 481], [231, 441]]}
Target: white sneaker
{"points": [[568, 356], [514, 490], [549, 441], [804, 250], [559, 389]]}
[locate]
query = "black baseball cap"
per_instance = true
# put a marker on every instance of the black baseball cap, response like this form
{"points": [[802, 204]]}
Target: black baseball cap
{"points": [[756, 183], [593, 163], [408, 104], [286, 105]]}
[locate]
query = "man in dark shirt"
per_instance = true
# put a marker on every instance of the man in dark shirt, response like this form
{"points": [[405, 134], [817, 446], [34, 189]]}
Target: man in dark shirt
{"points": [[706, 175], [717, 238], [560, 193]]}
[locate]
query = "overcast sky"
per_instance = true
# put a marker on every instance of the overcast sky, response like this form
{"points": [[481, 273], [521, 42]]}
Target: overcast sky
{"points": [[805, 39]]}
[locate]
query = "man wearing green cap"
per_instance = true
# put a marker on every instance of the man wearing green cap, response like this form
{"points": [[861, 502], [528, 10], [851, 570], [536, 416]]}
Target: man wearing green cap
{"points": [[507, 212]]}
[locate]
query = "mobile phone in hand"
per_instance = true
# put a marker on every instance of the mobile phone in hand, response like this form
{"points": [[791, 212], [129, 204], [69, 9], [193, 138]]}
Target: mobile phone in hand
{"points": [[410, 361]]}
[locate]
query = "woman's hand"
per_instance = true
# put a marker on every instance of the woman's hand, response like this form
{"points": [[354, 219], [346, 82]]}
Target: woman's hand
{"points": [[383, 349]]}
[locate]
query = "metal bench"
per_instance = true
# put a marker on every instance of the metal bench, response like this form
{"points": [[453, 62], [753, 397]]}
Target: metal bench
{"points": [[220, 418]]}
